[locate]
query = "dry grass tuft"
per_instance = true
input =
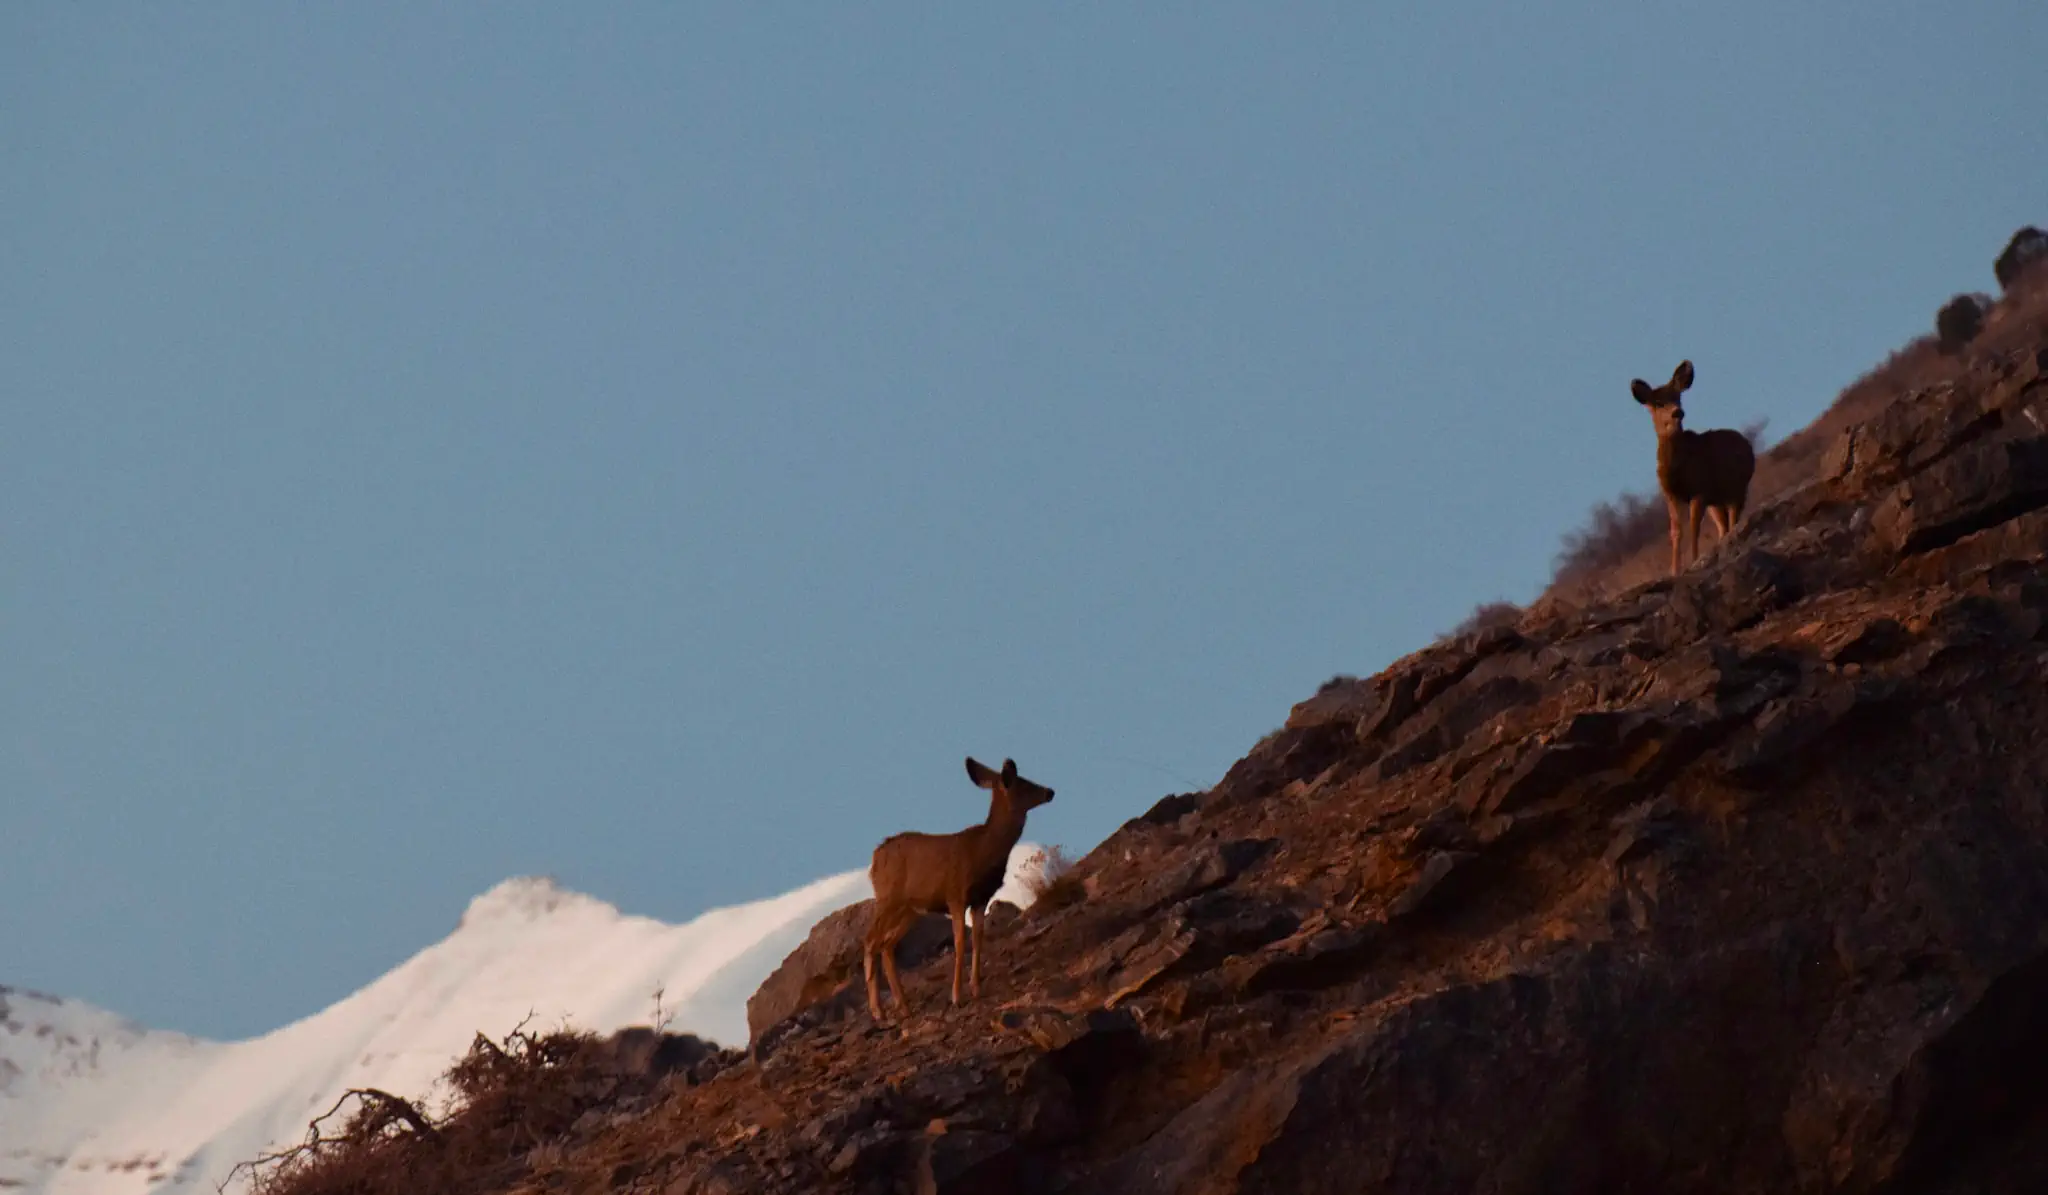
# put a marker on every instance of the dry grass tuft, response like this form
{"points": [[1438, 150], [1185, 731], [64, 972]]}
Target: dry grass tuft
{"points": [[1054, 885]]}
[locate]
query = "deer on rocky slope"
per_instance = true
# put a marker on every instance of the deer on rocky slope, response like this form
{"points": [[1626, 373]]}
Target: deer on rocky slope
{"points": [[1699, 472], [915, 874]]}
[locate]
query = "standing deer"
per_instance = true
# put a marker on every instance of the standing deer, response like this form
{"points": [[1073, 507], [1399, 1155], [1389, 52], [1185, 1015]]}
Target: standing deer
{"points": [[915, 874], [1698, 471]]}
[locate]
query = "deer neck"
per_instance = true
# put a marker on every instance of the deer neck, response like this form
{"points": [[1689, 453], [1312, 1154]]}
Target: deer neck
{"points": [[1001, 832], [1670, 459]]}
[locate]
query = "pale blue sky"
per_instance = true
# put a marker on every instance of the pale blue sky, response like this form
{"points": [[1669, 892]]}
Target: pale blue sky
{"points": [[652, 444]]}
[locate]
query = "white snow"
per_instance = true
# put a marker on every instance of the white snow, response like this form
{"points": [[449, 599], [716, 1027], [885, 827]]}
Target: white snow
{"points": [[93, 1105]]}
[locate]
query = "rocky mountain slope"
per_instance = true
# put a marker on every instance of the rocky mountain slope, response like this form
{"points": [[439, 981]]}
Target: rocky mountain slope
{"points": [[1734, 882]]}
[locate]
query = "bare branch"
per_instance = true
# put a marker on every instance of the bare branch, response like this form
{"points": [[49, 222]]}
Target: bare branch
{"points": [[384, 1109]]}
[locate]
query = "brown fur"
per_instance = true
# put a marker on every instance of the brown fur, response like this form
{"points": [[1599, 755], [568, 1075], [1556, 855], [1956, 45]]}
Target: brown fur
{"points": [[1699, 472], [915, 874]]}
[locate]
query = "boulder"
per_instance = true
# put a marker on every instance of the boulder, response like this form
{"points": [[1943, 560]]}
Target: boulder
{"points": [[1985, 485], [829, 960]]}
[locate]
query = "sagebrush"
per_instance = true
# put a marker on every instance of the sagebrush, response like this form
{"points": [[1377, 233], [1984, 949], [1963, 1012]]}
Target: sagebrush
{"points": [[1052, 882]]}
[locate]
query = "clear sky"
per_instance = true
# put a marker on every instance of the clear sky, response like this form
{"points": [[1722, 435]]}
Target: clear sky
{"points": [[652, 444]]}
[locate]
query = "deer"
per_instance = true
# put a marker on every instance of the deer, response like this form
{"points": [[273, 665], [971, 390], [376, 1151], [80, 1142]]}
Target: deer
{"points": [[914, 874], [1699, 472]]}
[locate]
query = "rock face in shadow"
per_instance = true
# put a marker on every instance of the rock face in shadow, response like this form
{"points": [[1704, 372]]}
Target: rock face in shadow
{"points": [[1735, 883]]}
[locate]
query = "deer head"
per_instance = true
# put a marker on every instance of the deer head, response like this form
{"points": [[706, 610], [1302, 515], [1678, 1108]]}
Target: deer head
{"points": [[1663, 401], [1007, 786]]}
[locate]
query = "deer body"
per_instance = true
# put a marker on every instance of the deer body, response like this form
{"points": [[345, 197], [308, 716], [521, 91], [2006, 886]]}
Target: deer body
{"points": [[914, 874], [1700, 472]]}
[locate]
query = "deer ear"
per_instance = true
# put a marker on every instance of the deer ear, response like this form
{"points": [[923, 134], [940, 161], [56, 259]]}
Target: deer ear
{"points": [[1681, 378], [1642, 391], [1009, 771], [977, 772]]}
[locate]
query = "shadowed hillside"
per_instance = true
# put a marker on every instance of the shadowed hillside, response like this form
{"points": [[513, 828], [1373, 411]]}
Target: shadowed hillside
{"points": [[1734, 882]]}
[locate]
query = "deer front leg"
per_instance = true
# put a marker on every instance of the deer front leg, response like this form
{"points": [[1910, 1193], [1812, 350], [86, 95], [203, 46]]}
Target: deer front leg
{"points": [[1677, 516], [959, 948], [1692, 518], [975, 971]]}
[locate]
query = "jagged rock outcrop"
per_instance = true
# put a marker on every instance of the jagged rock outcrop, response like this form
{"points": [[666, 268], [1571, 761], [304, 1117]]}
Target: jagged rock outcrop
{"points": [[1735, 883]]}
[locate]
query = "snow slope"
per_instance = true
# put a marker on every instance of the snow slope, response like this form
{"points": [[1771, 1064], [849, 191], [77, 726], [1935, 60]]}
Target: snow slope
{"points": [[93, 1105]]}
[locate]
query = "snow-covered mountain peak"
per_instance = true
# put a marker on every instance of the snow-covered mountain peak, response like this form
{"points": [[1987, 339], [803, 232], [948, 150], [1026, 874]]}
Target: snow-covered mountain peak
{"points": [[92, 1104], [525, 899]]}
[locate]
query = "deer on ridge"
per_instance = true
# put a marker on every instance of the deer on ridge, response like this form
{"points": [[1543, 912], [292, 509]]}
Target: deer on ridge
{"points": [[914, 874], [1700, 472]]}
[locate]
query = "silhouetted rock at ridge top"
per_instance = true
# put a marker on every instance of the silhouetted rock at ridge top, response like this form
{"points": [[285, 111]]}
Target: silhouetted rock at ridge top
{"points": [[1737, 882]]}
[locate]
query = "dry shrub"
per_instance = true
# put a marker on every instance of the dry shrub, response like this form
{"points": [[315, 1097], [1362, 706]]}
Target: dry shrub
{"points": [[1485, 616], [2027, 249], [2019, 320], [1615, 531], [1053, 884], [1959, 321], [513, 1099]]}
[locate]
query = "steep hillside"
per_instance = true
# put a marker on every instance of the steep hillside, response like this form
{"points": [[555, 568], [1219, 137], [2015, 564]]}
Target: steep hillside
{"points": [[1736, 882]]}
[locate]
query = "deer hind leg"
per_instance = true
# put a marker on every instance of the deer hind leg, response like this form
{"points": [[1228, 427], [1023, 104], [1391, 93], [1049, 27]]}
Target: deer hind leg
{"points": [[867, 969], [974, 972], [895, 980], [884, 932]]}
